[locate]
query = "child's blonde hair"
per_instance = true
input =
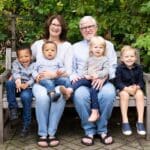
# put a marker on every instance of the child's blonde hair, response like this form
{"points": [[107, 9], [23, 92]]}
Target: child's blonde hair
{"points": [[97, 39], [128, 48]]}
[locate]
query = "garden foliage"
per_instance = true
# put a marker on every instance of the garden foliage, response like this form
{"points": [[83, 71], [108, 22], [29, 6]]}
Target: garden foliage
{"points": [[120, 21]]}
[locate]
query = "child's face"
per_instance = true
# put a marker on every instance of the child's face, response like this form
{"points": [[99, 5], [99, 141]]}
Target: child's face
{"points": [[24, 57], [97, 49], [128, 58], [49, 51]]}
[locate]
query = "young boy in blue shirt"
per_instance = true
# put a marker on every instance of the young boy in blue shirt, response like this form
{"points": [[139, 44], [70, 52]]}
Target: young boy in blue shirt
{"points": [[20, 84]]}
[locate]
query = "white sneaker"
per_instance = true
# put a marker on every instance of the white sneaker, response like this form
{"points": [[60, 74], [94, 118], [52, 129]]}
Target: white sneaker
{"points": [[126, 129], [140, 128]]}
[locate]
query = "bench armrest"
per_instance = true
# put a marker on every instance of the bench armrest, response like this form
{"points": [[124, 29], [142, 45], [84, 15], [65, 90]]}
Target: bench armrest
{"points": [[4, 76], [147, 87], [147, 77]]}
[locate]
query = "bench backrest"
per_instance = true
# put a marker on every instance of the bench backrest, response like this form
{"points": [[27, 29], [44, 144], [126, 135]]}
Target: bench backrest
{"points": [[11, 55]]}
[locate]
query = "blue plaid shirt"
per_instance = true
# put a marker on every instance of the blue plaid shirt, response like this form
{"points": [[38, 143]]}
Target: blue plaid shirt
{"points": [[20, 72]]}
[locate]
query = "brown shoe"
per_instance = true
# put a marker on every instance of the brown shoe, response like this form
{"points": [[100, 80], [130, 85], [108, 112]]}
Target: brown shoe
{"points": [[42, 142], [53, 142]]}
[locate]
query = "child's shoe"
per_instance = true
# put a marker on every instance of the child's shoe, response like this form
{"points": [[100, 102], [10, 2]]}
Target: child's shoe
{"points": [[24, 132], [140, 128], [126, 129], [13, 114]]}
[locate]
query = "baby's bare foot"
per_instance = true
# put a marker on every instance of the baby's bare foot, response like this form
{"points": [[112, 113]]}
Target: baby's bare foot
{"points": [[66, 92], [94, 116]]}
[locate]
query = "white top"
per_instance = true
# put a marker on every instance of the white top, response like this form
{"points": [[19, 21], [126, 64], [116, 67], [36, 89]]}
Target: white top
{"points": [[64, 53]]}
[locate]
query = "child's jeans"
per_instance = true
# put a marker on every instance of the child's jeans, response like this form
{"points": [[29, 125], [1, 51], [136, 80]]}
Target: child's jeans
{"points": [[26, 98], [93, 91], [50, 84]]}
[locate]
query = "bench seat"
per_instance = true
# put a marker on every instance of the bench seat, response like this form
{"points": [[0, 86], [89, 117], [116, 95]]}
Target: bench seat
{"points": [[4, 104]]}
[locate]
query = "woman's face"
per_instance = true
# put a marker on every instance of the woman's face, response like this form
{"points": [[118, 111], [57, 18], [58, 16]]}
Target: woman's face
{"points": [[55, 28]]}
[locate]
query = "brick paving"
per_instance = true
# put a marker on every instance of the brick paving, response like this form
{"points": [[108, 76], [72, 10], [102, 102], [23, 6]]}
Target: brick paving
{"points": [[70, 134]]}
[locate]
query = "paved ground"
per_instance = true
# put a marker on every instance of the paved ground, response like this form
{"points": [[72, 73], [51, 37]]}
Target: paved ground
{"points": [[70, 134]]}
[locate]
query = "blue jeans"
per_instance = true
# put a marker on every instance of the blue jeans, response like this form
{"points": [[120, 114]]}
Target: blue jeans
{"points": [[106, 97], [50, 84], [26, 99], [93, 91], [48, 113]]}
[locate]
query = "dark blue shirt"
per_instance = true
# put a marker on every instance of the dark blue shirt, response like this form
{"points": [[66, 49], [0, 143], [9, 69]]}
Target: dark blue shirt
{"points": [[126, 77]]}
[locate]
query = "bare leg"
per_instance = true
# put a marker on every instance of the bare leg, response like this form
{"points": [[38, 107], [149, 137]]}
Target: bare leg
{"points": [[140, 105], [124, 99], [94, 115]]}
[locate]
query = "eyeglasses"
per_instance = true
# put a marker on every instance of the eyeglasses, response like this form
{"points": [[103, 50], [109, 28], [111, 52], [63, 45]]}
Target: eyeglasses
{"points": [[87, 27], [56, 25]]}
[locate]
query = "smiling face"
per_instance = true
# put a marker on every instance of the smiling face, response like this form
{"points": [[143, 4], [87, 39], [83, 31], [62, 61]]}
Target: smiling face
{"points": [[24, 57], [55, 28], [128, 57], [49, 51], [88, 27]]}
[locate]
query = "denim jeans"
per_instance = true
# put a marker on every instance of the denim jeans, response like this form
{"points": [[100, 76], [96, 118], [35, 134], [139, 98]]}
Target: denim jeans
{"points": [[93, 91], [50, 84], [48, 113], [26, 99], [106, 97]]}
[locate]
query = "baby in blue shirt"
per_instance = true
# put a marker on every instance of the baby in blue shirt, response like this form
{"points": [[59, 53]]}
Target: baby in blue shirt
{"points": [[49, 62]]}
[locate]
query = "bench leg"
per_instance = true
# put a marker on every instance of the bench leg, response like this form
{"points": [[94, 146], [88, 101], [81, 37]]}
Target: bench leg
{"points": [[148, 112], [148, 122], [1, 117], [1, 126]]}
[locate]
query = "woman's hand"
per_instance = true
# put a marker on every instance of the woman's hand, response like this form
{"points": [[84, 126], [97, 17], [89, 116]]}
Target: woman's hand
{"points": [[61, 73], [47, 75]]}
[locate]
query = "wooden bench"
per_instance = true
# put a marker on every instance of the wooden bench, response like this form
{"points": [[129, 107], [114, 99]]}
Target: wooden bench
{"points": [[4, 104]]}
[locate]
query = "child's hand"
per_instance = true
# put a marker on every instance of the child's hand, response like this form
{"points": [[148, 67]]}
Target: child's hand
{"points": [[137, 87], [131, 89], [24, 85], [18, 85], [94, 76], [37, 79], [88, 77]]}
